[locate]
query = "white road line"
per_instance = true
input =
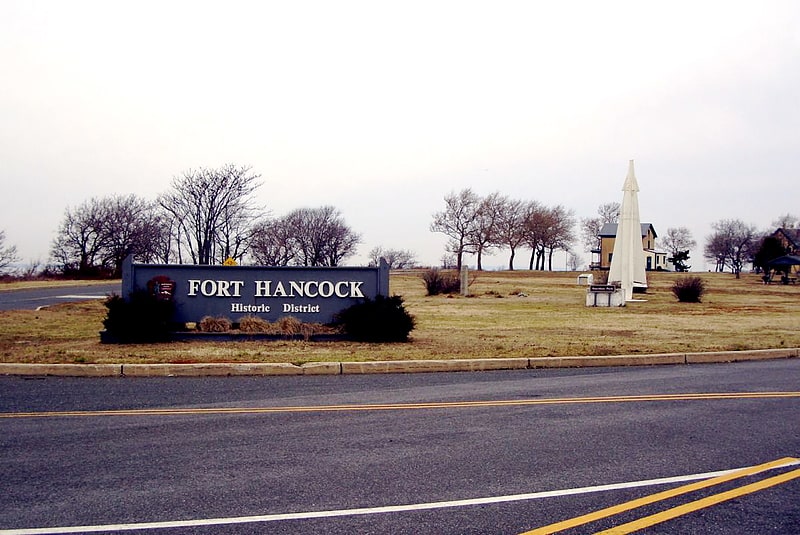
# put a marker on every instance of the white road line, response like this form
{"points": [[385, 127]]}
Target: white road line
{"points": [[371, 510]]}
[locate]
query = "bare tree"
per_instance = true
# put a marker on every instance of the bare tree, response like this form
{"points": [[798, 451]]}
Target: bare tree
{"points": [[535, 226], [484, 233], [609, 212], [679, 241], [715, 251], [164, 243], [95, 237], [591, 226], [8, 254], [395, 258], [510, 227], [546, 231], [79, 240], [213, 211], [273, 243], [458, 222], [731, 245], [338, 241], [558, 233], [130, 227], [305, 237], [786, 221]]}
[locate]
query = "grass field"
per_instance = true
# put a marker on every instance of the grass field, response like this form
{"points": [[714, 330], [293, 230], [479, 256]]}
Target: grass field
{"points": [[510, 314]]}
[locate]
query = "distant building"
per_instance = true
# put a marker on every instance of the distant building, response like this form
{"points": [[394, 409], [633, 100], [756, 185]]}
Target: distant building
{"points": [[790, 239], [601, 258]]}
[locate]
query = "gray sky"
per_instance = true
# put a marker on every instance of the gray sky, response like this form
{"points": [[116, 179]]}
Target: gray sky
{"points": [[383, 108]]}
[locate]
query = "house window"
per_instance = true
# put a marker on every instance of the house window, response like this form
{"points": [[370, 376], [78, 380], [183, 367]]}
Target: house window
{"points": [[609, 257]]}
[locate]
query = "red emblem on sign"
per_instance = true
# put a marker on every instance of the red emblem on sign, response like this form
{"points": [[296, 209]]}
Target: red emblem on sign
{"points": [[161, 287]]}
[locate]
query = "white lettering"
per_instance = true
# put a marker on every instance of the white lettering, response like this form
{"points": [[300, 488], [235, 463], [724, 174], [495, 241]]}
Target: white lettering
{"points": [[208, 288], [239, 307], [308, 289], [194, 285], [237, 288], [355, 289], [222, 288], [341, 289], [325, 288], [295, 286], [280, 291], [262, 288], [295, 309]]}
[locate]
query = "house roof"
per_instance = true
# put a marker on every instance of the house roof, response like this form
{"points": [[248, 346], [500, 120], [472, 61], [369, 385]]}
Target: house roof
{"points": [[791, 234], [609, 230]]}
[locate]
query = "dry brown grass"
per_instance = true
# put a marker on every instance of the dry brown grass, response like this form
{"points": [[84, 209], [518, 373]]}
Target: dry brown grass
{"points": [[511, 314], [210, 324], [254, 324]]}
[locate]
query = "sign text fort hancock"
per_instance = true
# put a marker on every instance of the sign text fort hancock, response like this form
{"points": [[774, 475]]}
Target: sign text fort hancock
{"points": [[309, 294]]}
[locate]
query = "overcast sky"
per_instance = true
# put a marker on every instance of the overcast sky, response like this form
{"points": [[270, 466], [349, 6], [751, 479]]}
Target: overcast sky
{"points": [[383, 108]]}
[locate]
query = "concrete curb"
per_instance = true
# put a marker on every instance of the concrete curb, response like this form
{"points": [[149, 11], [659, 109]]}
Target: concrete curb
{"points": [[737, 356], [402, 366], [417, 366], [65, 370], [611, 360]]}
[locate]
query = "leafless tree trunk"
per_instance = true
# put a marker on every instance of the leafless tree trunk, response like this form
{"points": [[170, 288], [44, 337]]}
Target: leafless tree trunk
{"points": [[307, 237], [8, 254], [458, 222], [732, 244], [510, 227], [395, 258], [96, 237], [213, 211]]}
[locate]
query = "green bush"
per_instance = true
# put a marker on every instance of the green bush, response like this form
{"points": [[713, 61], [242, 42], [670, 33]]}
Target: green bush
{"points": [[689, 289], [384, 319], [140, 319], [438, 282]]}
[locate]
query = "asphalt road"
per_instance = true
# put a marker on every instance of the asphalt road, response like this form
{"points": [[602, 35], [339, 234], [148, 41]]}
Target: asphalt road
{"points": [[33, 298], [237, 455]]}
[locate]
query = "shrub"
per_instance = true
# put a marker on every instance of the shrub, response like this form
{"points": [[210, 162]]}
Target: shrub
{"points": [[438, 282], [384, 319], [140, 319], [210, 324], [253, 324], [288, 325], [689, 289]]}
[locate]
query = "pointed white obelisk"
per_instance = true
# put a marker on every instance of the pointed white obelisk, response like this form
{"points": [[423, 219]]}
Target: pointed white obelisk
{"points": [[627, 260]]}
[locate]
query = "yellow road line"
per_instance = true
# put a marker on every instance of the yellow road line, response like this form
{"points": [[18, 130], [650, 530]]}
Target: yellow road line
{"points": [[696, 505], [657, 497], [407, 406]]}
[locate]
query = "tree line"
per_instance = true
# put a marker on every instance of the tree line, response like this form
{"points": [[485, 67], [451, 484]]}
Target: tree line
{"points": [[206, 217], [479, 225], [210, 215], [734, 244]]}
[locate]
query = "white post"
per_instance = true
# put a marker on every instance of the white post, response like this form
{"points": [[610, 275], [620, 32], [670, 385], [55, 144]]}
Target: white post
{"points": [[464, 280]]}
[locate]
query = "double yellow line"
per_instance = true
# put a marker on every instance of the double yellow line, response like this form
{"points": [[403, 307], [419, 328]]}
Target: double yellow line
{"points": [[407, 406], [680, 510]]}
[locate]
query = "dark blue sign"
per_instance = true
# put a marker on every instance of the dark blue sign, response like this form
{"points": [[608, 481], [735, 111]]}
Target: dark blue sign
{"points": [[312, 295]]}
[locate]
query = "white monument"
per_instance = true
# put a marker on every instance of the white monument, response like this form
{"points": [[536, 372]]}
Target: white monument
{"points": [[627, 260]]}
